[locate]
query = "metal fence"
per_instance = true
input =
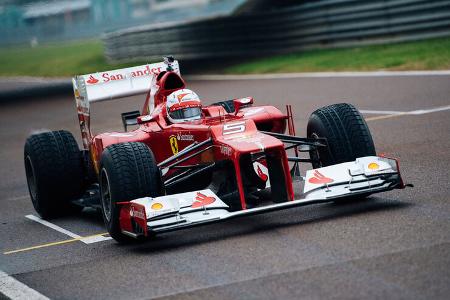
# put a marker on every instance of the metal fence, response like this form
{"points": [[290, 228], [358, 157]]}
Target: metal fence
{"points": [[318, 24], [56, 21]]}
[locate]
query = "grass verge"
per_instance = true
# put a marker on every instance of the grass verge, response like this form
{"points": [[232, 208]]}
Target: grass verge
{"points": [[60, 60], [431, 54], [55, 60]]}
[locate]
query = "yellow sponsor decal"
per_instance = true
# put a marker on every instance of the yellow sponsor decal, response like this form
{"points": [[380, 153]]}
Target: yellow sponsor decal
{"points": [[173, 144], [373, 166], [157, 206]]}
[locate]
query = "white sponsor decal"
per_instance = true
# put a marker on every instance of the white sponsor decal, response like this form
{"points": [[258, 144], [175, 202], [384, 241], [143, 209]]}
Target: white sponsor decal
{"points": [[225, 150], [185, 137], [104, 77], [233, 128], [139, 214]]}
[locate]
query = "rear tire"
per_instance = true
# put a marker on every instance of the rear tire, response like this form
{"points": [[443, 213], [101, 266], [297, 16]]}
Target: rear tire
{"points": [[348, 136], [54, 171], [128, 171]]}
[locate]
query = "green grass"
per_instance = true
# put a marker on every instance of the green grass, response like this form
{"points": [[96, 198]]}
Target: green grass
{"points": [[54, 60], [422, 55], [60, 60]]}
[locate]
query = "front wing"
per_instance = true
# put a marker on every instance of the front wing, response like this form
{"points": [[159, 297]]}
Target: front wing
{"points": [[366, 175]]}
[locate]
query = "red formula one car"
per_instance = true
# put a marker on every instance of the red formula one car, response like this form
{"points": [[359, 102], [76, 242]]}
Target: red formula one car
{"points": [[188, 164]]}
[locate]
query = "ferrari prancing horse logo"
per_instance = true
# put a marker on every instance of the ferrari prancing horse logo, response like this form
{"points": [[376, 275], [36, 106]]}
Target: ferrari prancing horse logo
{"points": [[173, 144]]}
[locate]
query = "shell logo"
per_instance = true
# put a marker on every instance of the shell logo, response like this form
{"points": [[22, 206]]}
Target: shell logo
{"points": [[373, 166], [157, 206]]}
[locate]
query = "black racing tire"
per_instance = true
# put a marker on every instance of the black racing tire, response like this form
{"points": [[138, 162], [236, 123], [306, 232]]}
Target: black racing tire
{"points": [[54, 171], [89, 171], [127, 171], [348, 136]]}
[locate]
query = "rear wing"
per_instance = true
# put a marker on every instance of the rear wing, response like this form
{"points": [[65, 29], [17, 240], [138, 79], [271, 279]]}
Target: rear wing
{"points": [[109, 85]]}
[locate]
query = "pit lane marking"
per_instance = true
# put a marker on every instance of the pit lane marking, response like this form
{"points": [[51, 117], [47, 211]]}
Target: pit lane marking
{"points": [[87, 240], [14, 289]]}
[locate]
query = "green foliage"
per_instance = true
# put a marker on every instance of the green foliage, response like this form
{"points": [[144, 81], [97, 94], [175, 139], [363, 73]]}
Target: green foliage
{"points": [[54, 60], [422, 55], [64, 60]]}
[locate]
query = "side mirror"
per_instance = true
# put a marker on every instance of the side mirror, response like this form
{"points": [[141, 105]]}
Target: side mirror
{"points": [[145, 119], [130, 118], [241, 102]]}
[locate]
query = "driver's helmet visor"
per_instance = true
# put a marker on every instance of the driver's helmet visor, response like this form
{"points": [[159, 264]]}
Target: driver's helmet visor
{"points": [[186, 113]]}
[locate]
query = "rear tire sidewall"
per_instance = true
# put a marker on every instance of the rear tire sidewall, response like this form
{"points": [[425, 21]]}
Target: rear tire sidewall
{"points": [[32, 184], [54, 173]]}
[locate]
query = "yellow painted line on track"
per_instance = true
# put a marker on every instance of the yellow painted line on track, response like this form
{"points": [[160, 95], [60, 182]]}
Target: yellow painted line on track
{"points": [[54, 243], [386, 117]]}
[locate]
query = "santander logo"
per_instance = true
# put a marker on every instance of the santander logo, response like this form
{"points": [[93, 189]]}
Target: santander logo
{"points": [[202, 200], [92, 80], [127, 73], [261, 174], [319, 178]]}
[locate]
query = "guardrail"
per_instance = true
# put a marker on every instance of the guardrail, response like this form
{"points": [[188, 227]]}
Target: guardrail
{"points": [[320, 24]]}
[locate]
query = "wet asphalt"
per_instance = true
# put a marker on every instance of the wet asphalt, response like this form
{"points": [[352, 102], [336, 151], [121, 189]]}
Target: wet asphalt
{"points": [[393, 245]]}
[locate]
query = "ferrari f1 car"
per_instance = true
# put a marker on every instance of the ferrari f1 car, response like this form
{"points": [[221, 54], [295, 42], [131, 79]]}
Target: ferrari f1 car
{"points": [[231, 162]]}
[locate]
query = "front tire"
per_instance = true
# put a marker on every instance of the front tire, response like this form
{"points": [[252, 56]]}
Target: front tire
{"points": [[54, 171], [128, 171], [348, 136]]}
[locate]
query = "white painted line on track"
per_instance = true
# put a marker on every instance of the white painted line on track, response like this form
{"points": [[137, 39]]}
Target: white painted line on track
{"points": [[427, 111], [382, 112], [88, 240], [412, 112], [95, 239], [214, 77], [14, 289]]}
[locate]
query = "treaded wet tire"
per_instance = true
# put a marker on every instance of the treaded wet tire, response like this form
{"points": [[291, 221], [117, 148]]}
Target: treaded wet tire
{"points": [[54, 171], [127, 171], [346, 131]]}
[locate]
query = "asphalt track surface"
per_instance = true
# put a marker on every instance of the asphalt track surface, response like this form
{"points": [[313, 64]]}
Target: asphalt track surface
{"points": [[394, 245]]}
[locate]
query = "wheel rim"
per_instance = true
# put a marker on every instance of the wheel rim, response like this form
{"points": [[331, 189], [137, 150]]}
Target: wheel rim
{"points": [[106, 195], [31, 179]]}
